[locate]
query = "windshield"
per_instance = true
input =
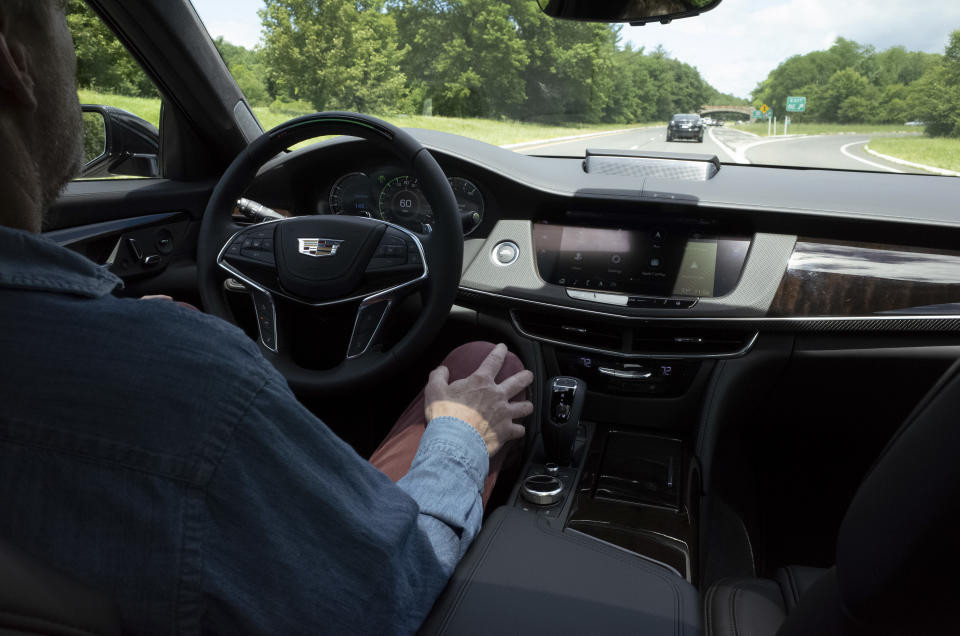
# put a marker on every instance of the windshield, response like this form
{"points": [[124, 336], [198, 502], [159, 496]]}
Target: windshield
{"points": [[869, 85]]}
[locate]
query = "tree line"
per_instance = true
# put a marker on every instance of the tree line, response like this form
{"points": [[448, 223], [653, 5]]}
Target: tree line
{"points": [[506, 59], [851, 82], [463, 58]]}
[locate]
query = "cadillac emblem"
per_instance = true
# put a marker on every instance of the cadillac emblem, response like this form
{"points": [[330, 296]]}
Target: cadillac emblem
{"points": [[318, 247]]}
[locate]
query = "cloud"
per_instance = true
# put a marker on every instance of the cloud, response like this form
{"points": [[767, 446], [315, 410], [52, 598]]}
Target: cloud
{"points": [[236, 20], [244, 33], [737, 44]]}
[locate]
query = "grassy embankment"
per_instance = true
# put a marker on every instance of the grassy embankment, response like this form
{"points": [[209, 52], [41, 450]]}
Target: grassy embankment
{"points": [[938, 152], [494, 131], [827, 129]]}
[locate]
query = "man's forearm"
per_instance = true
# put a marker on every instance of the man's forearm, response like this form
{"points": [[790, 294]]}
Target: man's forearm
{"points": [[446, 479]]}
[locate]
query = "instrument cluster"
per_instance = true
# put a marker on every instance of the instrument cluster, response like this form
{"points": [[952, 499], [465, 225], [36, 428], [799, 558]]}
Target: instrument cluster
{"points": [[399, 199]]}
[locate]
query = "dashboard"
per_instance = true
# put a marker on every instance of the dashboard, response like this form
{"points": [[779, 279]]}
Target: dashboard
{"points": [[673, 240]]}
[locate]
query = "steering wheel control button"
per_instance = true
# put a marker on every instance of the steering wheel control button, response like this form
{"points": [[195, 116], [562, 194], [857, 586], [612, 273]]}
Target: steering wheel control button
{"points": [[266, 319], [391, 251], [505, 253], [542, 490], [369, 318]]}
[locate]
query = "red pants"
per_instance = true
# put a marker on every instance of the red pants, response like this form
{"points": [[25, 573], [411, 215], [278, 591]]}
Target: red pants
{"points": [[394, 456]]}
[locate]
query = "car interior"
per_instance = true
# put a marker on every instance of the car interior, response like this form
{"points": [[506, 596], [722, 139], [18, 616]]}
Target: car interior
{"points": [[745, 388]]}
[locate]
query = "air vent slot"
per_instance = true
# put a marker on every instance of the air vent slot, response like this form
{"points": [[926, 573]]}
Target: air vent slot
{"points": [[576, 331], [689, 341], [644, 339]]}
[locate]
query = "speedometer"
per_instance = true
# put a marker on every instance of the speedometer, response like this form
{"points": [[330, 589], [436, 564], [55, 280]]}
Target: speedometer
{"points": [[402, 202]]}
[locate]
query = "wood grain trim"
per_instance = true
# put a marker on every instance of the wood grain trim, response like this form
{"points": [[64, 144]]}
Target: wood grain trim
{"points": [[829, 278]]}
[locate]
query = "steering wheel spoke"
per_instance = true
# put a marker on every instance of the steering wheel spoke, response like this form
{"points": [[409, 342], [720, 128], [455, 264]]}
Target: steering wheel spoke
{"points": [[367, 326], [249, 255], [266, 318]]}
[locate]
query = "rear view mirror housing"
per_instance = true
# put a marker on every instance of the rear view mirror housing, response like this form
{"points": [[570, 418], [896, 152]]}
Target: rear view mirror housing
{"points": [[118, 143], [636, 12]]}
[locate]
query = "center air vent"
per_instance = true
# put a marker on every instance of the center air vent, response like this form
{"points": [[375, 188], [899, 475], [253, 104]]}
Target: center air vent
{"points": [[638, 339]]}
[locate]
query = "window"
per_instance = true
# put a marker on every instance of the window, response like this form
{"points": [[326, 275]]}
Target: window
{"points": [[121, 104]]}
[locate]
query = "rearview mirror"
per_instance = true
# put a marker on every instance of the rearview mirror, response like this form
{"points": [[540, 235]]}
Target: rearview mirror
{"points": [[118, 143], [636, 12]]}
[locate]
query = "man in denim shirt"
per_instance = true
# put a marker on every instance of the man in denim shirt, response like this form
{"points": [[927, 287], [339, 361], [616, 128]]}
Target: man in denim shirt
{"points": [[150, 451]]}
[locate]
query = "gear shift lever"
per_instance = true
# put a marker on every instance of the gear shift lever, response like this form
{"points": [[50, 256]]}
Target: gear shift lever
{"points": [[565, 397]]}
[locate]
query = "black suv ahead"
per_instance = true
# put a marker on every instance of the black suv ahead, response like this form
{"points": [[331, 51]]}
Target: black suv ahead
{"points": [[685, 127]]}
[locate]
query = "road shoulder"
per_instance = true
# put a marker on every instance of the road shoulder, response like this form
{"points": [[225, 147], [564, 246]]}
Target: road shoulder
{"points": [[911, 164]]}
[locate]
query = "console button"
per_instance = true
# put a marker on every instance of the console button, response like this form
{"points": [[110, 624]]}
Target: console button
{"points": [[505, 252], [542, 490]]}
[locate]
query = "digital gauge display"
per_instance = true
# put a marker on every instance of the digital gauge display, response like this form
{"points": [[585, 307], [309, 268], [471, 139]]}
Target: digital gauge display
{"points": [[354, 194], [401, 200]]}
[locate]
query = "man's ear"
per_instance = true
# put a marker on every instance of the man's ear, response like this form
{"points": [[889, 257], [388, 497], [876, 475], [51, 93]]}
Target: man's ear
{"points": [[16, 84]]}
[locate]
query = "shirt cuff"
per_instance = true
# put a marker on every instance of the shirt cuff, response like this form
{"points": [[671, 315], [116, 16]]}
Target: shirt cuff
{"points": [[454, 437]]}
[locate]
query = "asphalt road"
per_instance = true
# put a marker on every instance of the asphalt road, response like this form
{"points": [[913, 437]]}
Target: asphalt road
{"points": [[840, 152], [638, 139]]}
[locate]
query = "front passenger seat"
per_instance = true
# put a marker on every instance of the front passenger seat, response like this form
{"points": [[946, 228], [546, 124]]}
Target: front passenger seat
{"points": [[898, 549]]}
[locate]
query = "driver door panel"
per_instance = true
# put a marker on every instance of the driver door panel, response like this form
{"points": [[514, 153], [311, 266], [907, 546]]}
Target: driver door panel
{"points": [[144, 230]]}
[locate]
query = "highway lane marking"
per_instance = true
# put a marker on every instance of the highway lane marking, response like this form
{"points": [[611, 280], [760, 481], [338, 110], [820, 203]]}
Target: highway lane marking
{"points": [[544, 143], [634, 147], [730, 152], [741, 152], [846, 152]]}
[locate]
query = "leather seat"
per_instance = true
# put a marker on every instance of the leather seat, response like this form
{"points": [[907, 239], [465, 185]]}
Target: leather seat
{"points": [[35, 599], [897, 555], [756, 607]]}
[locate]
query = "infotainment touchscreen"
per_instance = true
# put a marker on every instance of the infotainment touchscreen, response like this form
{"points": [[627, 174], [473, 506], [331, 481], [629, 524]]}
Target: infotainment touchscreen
{"points": [[651, 262]]}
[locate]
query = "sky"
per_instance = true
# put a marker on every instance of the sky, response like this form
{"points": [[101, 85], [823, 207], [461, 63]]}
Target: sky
{"points": [[734, 46]]}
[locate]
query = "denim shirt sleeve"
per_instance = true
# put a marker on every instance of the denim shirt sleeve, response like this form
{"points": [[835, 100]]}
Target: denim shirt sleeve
{"points": [[302, 535], [446, 479]]}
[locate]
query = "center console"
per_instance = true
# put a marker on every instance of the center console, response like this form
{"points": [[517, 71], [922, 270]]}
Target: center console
{"points": [[595, 539], [631, 488]]}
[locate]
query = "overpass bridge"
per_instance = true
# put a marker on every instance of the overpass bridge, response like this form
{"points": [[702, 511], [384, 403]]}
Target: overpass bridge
{"points": [[741, 110]]}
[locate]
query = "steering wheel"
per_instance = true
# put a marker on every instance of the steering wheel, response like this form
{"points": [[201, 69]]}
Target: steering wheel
{"points": [[326, 260]]}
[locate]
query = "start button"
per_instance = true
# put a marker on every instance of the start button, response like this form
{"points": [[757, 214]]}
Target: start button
{"points": [[505, 253]]}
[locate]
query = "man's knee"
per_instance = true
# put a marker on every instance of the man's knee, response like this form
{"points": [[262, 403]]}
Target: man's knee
{"points": [[466, 358]]}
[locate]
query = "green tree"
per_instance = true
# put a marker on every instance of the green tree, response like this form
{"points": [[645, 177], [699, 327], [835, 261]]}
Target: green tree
{"points": [[335, 54], [248, 70], [844, 85], [467, 55], [103, 63], [937, 94]]}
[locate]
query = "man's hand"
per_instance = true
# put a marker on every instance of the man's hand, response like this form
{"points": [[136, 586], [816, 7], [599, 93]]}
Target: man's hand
{"points": [[480, 401]]}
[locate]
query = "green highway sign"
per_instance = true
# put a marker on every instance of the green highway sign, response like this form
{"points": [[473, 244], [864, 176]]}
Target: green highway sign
{"points": [[796, 104], [757, 114]]}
